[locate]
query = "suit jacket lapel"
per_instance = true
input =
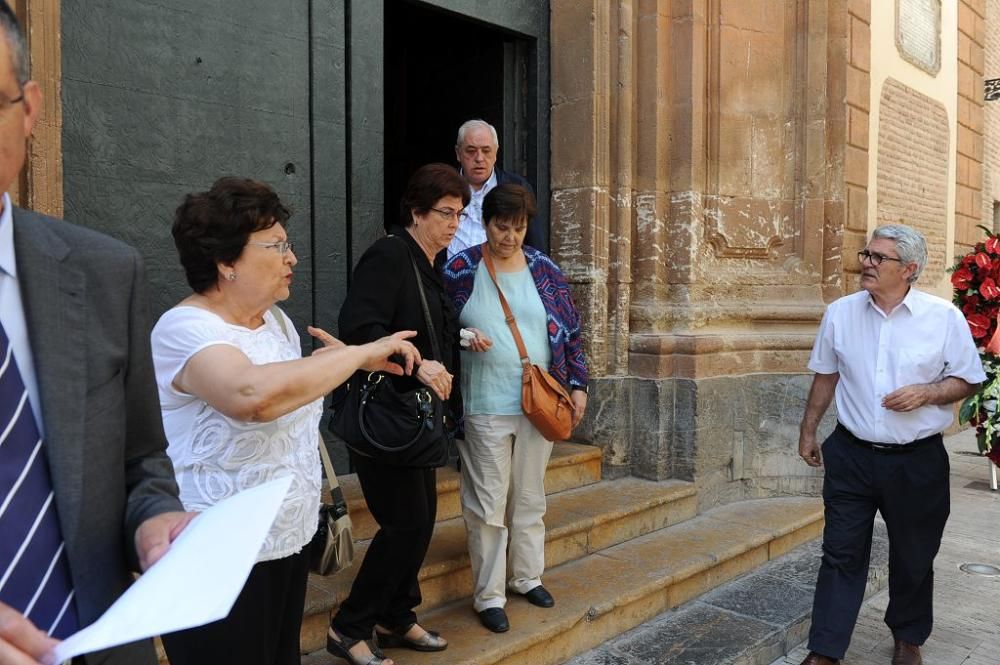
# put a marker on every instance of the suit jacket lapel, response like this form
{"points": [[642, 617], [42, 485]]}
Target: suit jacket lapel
{"points": [[53, 296]]}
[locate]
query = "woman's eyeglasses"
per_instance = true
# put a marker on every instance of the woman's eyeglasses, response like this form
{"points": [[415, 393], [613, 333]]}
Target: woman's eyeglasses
{"points": [[282, 247], [448, 213]]}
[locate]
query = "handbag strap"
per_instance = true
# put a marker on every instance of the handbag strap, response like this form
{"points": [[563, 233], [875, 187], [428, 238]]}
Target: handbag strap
{"points": [[423, 302], [276, 313], [331, 475], [511, 321]]}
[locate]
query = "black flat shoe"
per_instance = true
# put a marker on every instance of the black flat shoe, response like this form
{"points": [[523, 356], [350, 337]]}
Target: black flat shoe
{"points": [[396, 638], [495, 619], [339, 646], [540, 597]]}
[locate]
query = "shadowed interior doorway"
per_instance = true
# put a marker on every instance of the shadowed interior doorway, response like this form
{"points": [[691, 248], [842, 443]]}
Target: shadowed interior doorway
{"points": [[442, 69]]}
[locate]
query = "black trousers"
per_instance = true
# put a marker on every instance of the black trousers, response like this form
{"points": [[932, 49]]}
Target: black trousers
{"points": [[911, 492], [403, 502], [263, 626]]}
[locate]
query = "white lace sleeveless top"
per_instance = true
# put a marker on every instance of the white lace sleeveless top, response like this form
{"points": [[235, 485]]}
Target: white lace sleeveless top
{"points": [[216, 456]]}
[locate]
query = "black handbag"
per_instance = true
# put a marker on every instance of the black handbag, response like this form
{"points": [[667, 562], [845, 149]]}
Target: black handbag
{"points": [[399, 428]]}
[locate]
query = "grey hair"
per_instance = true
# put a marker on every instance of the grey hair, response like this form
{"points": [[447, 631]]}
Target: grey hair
{"points": [[15, 39], [469, 125], [910, 245]]}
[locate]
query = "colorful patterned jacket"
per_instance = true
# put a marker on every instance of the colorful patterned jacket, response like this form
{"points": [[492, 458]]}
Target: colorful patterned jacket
{"points": [[569, 366]]}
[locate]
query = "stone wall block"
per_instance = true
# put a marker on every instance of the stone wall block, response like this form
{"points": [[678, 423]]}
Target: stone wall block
{"points": [[966, 80], [856, 166], [573, 159], [968, 142], [772, 141], [978, 59], [819, 169], [975, 177], [573, 37], [736, 155], [861, 9], [861, 39], [857, 208], [857, 123], [654, 405], [608, 423], [964, 47], [859, 88]]}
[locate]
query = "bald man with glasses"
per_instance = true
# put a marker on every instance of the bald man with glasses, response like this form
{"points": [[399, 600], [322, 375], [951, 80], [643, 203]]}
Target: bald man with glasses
{"points": [[895, 359]]}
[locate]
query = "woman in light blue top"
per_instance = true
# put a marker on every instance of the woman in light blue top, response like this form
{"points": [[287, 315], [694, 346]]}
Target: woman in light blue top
{"points": [[503, 455]]}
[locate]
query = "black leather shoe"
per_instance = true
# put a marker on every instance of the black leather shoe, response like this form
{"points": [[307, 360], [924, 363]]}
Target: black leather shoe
{"points": [[540, 597], [495, 619]]}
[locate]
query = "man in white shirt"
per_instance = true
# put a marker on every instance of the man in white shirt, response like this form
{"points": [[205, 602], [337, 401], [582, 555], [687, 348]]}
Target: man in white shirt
{"points": [[895, 359], [476, 149], [87, 492]]}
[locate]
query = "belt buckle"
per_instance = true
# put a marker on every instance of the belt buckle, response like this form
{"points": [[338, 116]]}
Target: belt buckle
{"points": [[883, 449]]}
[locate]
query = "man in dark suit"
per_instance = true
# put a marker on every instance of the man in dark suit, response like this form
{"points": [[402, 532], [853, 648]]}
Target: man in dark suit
{"points": [[87, 492], [476, 150]]}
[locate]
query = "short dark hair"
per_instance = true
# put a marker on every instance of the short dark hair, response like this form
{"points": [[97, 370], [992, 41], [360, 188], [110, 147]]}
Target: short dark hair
{"points": [[508, 201], [213, 227], [15, 40], [426, 186]]}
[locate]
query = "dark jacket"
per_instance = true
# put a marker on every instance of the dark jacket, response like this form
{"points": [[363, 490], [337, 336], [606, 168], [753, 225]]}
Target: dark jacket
{"points": [[384, 299], [86, 308], [537, 236]]}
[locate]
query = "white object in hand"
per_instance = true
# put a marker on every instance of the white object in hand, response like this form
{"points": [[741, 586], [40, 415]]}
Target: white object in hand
{"points": [[465, 337], [197, 580]]}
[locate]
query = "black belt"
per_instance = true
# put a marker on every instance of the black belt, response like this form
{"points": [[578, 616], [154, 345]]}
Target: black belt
{"points": [[887, 448]]}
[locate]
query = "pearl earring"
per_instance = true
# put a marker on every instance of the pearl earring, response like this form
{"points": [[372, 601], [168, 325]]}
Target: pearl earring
{"points": [[231, 277]]}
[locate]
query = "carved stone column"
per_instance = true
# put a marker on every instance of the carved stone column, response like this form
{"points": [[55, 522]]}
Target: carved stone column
{"points": [[698, 202]]}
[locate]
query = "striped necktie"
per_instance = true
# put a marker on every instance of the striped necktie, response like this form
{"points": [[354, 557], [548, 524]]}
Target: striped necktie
{"points": [[34, 569]]}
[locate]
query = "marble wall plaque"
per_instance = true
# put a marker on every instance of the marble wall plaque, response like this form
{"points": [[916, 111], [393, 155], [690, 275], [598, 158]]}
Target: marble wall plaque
{"points": [[918, 33]]}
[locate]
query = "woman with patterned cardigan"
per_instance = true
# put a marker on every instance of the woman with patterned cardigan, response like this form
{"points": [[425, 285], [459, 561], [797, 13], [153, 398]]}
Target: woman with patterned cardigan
{"points": [[503, 490]]}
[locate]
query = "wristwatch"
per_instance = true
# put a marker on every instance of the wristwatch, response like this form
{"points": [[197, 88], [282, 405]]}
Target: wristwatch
{"points": [[574, 386]]}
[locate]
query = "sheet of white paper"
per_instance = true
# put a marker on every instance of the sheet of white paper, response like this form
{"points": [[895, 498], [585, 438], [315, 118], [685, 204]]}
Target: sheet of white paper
{"points": [[197, 580]]}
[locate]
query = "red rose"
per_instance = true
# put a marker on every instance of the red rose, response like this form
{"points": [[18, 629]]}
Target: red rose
{"points": [[960, 278], [979, 324], [993, 245]]}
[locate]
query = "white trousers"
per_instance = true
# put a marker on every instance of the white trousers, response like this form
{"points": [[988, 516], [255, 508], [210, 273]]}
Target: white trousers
{"points": [[503, 493]]}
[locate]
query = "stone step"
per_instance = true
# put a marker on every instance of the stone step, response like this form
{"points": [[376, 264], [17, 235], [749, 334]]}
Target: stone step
{"points": [[749, 621], [615, 589], [571, 465], [579, 522], [445, 575]]}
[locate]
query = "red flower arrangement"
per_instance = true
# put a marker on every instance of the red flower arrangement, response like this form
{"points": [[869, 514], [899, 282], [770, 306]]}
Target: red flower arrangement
{"points": [[976, 278]]}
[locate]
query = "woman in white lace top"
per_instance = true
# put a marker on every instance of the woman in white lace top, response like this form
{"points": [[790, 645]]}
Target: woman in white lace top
{"points": [[241, 406]]}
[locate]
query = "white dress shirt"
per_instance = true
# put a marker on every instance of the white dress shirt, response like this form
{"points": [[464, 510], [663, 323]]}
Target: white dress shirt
{"points": [[12, 311], [470, 227], [923, 340]]}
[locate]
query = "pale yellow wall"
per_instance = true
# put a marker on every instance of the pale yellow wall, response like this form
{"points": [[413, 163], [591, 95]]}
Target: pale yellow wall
{"points": [[887, 63]]}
